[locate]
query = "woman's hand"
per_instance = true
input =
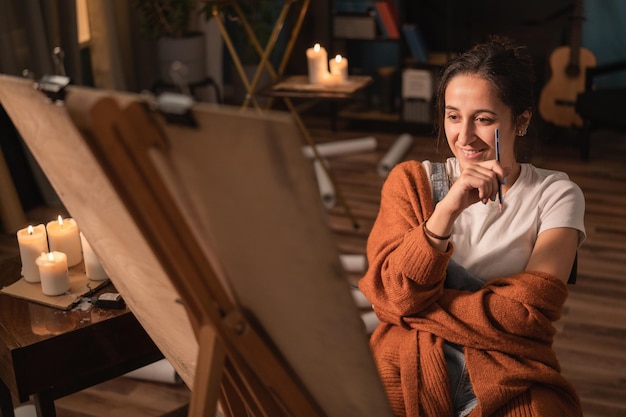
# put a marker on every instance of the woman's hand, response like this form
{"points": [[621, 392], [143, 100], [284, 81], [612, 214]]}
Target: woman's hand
{"points": [[477, 182]]}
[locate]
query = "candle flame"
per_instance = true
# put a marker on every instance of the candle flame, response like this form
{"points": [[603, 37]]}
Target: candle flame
{"points": [[338, 58], [317, 47], [50, 256], [60, 219], [30, 230]]}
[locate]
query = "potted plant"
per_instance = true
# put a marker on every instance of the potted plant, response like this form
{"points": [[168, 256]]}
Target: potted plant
{"points": [[168, 22]]}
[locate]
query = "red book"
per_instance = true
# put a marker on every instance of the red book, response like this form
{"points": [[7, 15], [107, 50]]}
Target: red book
{"points": [[386, 17]]}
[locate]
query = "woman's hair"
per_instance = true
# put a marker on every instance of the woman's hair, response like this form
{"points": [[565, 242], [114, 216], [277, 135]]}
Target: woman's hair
{"points": [[505, 65]]}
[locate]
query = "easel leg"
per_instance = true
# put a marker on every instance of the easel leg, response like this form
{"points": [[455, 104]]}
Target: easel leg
{"points": [[208, 375]]}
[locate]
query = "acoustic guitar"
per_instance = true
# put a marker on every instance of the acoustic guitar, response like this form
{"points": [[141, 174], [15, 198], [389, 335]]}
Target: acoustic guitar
{"points": [[567, 65]]}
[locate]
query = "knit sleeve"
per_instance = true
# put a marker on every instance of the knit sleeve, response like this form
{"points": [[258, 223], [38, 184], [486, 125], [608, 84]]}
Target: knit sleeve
{"points": [[405, 273], [509, 314]]}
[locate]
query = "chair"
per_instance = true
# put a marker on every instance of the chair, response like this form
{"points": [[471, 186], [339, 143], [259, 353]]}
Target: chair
{"points": [[600, 107]]}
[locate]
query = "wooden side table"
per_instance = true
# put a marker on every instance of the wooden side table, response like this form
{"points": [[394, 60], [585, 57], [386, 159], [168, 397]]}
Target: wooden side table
{"points": [[50, 353], [298, 86]]}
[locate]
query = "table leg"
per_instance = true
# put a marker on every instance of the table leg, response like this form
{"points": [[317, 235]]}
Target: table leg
{"points": [[6, 402], [44, 404]]}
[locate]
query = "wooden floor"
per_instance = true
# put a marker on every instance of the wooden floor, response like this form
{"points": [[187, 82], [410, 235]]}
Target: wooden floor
{"points": [[591, 344]]}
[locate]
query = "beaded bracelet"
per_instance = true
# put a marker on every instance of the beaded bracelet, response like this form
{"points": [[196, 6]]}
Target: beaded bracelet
{"points": [[433, 235]]}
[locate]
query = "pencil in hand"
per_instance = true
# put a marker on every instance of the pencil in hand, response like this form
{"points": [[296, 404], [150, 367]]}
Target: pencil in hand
{"points": [[500, 198]]}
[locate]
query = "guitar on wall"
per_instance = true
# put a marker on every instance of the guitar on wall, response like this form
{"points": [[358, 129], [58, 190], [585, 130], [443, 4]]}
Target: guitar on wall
{"points": [[567, 65]]}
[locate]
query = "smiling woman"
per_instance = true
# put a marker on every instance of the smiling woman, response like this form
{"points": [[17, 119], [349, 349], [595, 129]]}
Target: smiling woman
{"points": [[477, 287]]}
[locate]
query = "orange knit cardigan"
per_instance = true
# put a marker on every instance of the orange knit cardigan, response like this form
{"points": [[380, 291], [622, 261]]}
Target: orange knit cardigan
{"points": [[505, 327]]}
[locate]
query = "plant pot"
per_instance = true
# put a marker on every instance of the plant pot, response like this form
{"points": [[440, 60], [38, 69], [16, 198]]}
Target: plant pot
{"points": [[190, 51]]}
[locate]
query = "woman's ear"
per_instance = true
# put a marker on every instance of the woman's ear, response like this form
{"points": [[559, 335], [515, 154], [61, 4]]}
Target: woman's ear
{"points": [[523, 120]]}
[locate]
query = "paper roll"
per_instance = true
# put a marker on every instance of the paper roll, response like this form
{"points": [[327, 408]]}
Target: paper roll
{"points": [[370, 320], [325, 185], [159, 371], [342, 147], [353, 262], [395, 154], [359, 299]]}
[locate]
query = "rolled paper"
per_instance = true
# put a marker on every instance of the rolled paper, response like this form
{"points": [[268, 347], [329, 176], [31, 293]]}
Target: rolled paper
{"points": [[359, 299], [159, 371], [341, 147], [32, 242], [93, 267], [63, 237], [370, 321], [353, 262], [395, 154], [55, 279], [325, 185]]}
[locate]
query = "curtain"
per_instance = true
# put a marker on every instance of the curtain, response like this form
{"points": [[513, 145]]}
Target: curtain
{"points": [[29, 32]]}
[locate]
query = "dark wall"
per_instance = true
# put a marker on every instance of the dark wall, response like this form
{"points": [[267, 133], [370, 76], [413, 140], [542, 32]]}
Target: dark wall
{"points": [[455, 25]]}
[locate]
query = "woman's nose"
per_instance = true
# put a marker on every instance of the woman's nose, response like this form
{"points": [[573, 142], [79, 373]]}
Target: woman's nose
{"points": [[466, 134]]}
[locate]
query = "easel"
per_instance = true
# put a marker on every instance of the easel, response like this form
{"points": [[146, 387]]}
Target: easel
{"points": [[127, 189], [221, 328], [265, 64]]}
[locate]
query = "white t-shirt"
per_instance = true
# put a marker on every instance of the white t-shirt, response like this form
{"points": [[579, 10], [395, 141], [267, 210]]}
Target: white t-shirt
{"points": [[493, 244]]}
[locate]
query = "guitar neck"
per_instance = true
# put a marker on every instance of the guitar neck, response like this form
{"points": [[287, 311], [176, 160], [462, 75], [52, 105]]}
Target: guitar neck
{"points": [[576, 34]]}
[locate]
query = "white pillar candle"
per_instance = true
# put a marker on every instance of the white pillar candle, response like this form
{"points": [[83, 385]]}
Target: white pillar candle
{"points": [[63, 237], [317, 60], [55, 279], [339, 68], [32, 242], [93, 267]]}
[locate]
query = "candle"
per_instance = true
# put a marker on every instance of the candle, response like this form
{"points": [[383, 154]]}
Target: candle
{"points": [[63, 237], [32, 241], [93, 267], [339, 68], [317, 64], [55, 279]]}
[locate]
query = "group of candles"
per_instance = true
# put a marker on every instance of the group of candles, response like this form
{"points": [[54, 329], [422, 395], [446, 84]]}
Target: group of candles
{"points": [[47, 252], [319, 65]]}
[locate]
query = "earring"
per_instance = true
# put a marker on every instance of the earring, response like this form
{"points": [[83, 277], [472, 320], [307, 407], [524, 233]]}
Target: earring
{"points": [[521, 132]]}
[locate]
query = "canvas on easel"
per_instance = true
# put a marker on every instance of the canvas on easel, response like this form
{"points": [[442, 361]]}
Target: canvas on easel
{"points": [[229, 205]]}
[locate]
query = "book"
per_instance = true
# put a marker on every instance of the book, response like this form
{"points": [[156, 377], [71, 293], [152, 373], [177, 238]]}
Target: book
{"points": [[389, 27], [354, 26], [415, 42]]}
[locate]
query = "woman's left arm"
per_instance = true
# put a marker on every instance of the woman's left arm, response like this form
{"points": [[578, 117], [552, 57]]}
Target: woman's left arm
{"points": [[554, 252]]}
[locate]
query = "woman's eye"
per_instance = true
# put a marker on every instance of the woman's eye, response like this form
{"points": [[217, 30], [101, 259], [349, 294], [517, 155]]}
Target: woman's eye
{"points": [[483, 120], [453, 117]]}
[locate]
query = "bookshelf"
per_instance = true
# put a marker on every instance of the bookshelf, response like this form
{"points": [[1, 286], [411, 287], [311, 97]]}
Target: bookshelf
{"points": [[381, 41]]}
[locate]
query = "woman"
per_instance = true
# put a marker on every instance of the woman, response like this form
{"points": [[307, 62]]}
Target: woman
{"points": [[450, 344]]}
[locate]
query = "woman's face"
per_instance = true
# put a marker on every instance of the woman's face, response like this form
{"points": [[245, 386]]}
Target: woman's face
{"points": [[473, 112]]}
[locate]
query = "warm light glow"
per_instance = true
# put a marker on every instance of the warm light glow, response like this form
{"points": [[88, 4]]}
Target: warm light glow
{"points": [[338, 59], [30, 230], [60, 219], [317, 47], [51, 256]]}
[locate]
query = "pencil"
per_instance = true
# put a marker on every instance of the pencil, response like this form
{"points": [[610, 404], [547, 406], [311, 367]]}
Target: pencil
{"points": [[500, 198]]}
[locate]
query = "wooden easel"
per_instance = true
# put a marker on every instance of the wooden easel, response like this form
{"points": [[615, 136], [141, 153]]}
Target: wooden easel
{"points": [[278, 337], [220, 326]]}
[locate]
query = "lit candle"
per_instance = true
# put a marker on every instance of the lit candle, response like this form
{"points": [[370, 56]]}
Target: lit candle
{"points": [[339, 68], [63, 237], [32, 241], [55, 279], [93, 267], [317, 64]]}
